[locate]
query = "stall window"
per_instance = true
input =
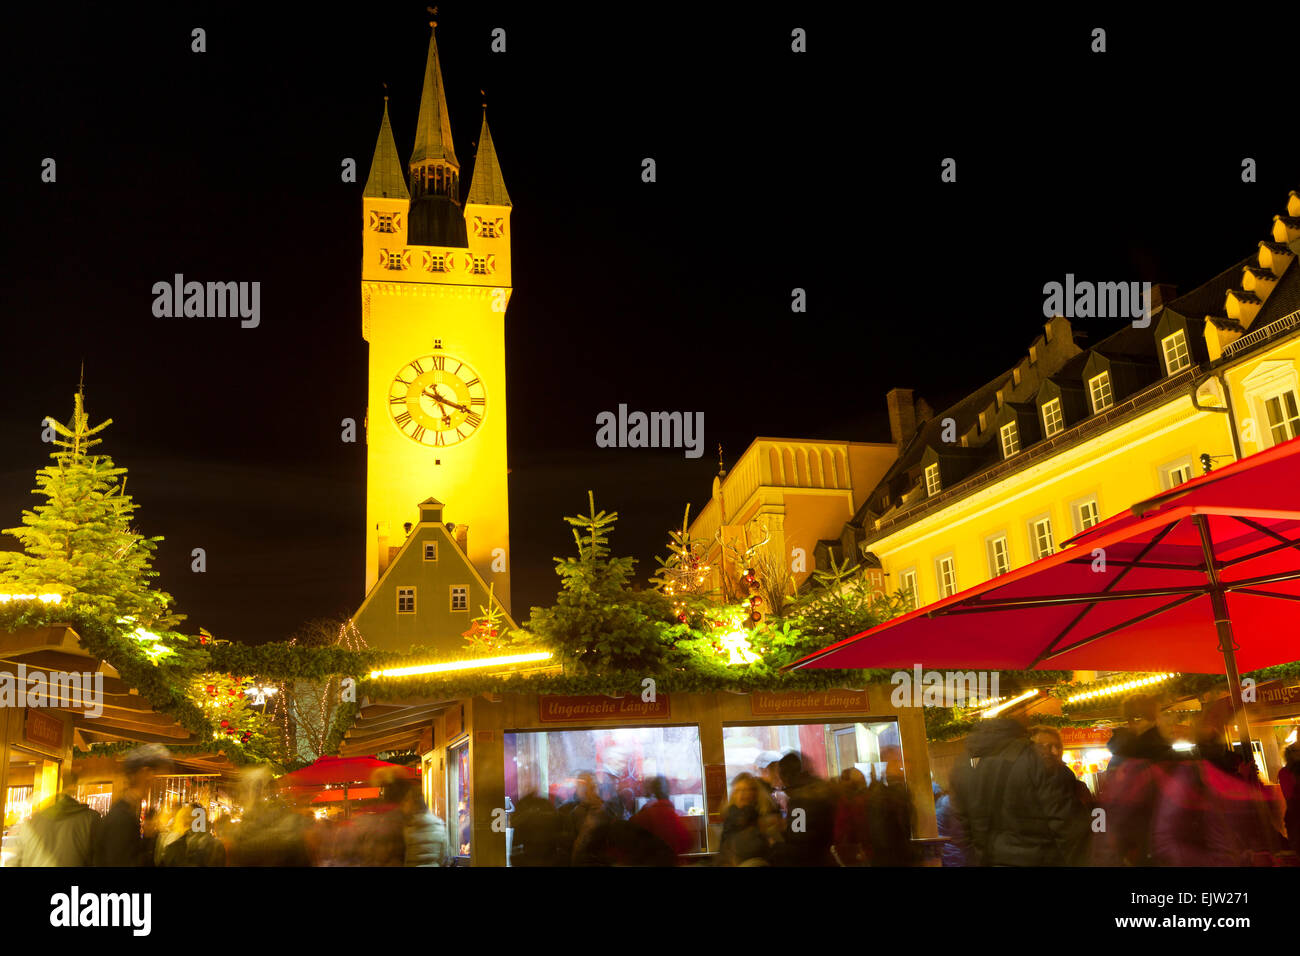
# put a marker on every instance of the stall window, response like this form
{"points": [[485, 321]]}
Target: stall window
{"points": [[825, 750], [545, 772], [458, 797]]}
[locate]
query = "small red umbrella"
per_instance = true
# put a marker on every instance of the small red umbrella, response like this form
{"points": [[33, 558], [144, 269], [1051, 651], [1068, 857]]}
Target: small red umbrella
{"points": [[1170, 585], [340, 770]]}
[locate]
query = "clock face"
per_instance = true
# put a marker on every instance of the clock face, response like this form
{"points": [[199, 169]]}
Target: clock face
{"points": [[437, 400]]}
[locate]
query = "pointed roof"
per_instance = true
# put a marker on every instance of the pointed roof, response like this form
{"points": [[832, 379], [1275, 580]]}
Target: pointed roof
{"points": [[433, 132], [487, 186], [386, 180]]}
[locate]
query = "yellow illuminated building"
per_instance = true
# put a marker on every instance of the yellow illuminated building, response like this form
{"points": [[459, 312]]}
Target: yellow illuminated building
{"points": [[789, 496], [435, 283], [1074, 434]]}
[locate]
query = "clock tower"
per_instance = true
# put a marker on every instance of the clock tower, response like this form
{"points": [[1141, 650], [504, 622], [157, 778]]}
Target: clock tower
{"points": [[435, 283]]}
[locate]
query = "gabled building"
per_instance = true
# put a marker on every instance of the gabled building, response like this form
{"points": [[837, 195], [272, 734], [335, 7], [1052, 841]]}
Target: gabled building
{"points": [[429, 592]]}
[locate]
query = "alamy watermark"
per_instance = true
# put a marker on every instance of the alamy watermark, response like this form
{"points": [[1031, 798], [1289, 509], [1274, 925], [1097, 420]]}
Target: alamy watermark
{"points": [[1099, 300], [213, 300], [918, 688], [653, 430], [77, 690]]}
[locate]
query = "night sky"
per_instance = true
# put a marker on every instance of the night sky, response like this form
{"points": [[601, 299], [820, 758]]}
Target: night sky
{"points": [[775, 171]]}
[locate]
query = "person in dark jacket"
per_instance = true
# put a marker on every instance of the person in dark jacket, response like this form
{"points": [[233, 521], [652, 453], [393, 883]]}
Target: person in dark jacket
{"points": [[659, 817], [59, 834], [810, 819], [891, 815], [744, 818], [117, 840], [1048, 742], [537, 831], [1011, 810], [1288, 781], [193, 847], [1139, 770]]}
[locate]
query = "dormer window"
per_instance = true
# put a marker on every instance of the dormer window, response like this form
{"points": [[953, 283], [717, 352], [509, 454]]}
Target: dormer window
{"points": [[395, 260], [1010, 439], [1053, 420], [932, 485], [437, 263], [1175, 351], [385, 223], [1099, 392], [480, 266]]}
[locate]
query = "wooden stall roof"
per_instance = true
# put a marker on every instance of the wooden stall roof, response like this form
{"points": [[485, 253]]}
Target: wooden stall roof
{"points": [[127, 717]]}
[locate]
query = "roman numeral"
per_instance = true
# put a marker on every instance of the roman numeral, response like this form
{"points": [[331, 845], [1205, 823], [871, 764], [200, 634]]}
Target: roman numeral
{"points": [[472, 382], [478, 401], [419, 369], [458, 433], [459, 366], [437, 438], [396, 399], [474, 418], [418, 434], [439, 362], [403, 419]]}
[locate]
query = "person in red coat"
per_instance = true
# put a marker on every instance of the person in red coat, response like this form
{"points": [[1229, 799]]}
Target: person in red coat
{"points": [[659, 817]]}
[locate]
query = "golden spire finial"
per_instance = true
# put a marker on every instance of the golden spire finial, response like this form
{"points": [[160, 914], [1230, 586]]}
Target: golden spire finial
{"points": [[385, 92], [433, 12], [483, 93]]}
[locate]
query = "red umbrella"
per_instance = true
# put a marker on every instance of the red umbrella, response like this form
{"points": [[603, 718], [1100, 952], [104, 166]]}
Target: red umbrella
{"points": [[340, 770], [1169, 586]]}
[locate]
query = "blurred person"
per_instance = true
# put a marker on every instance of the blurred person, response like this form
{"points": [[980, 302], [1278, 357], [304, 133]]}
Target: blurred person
{"points": [[1288, 780], [191, 846], [58, 834], [891, 815], [810, 821], [946, 820], [117, 839], [591, 824], [765, 765], [154, 824], [852, 838], [1048, 742], [1010, 809], [270, 833], [537, 832], [1209, 813], [659, 817], [172, 826], [1138, 773], [743, 836], [425, 833]]}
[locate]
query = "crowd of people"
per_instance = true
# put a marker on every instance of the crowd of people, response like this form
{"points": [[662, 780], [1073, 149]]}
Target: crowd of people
{"points": [[1013, 802], [400, 832]]}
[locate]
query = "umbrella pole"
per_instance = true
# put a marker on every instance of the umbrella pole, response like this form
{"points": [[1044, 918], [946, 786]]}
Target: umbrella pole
{"points": [[1219, 604]]}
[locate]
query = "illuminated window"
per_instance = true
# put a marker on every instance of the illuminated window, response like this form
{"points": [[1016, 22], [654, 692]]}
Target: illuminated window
{"points": [[1175, 474], [1100, 393], [932, 486], [486, 229], [1053, 420], [1040, 535], [907, 580], [1175, 349], [480, 265], [946, 575], [395, 260], [999, 555], [1086, 514], [385, 223], [437, 263], [431, 550], [406, 600], [459, 597], [1010, 439], [1283, 416]]}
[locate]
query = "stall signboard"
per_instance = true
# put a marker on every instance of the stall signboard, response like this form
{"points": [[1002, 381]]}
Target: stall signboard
{"points": [[1082, 738], [554, 709], [789, 703], [43, 730], [1274, 695]]}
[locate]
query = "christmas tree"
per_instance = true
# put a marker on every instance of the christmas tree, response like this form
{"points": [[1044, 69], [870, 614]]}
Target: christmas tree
{"points": [[80, 543]]}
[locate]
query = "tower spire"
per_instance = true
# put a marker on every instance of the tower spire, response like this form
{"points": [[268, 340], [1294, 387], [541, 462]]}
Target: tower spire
{"points": [[386, 180], [433, 144], [487, 186]]}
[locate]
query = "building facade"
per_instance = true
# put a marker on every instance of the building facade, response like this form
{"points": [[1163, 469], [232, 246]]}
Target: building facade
{"points": [[435, 284]]}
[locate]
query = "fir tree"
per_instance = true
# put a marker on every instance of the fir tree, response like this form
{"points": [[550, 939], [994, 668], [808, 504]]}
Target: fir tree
{"points": [[80, 544], [598, 623]]}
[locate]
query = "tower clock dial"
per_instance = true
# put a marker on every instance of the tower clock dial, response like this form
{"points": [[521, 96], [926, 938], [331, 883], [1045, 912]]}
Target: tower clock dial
{"points": [[437, 400]]}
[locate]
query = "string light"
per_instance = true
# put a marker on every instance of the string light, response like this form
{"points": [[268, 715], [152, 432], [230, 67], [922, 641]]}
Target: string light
{"points": [[44, 598], [463, 665], [1111, 690], [994, 711]]}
